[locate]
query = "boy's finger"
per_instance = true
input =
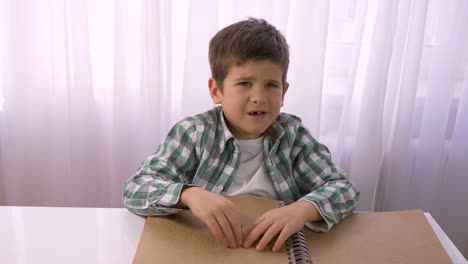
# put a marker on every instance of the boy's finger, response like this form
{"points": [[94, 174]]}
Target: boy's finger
{"points": [[216, 231], [284, 235], [236, 225], [226, 229], [268, 236], [255, 232]]}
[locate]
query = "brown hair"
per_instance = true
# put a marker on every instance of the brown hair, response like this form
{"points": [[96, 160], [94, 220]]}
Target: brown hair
{"points": [[251, 39]]}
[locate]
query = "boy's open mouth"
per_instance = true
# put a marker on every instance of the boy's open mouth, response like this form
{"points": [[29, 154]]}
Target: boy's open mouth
{"points": [[255, 113]]}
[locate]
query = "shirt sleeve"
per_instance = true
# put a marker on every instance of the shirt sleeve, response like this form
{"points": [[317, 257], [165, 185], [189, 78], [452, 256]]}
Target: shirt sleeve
{"points": [[157, 184], [321, 182]]}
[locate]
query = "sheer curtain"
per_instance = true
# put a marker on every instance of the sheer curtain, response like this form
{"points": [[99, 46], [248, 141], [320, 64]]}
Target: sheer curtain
{"points": [[88, 89]]}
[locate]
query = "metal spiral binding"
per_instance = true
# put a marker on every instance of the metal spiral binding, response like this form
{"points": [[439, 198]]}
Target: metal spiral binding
{"points": [[296, 246]]}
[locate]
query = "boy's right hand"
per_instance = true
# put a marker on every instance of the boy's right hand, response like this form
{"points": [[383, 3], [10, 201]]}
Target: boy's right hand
{"points": [[217, 212]]}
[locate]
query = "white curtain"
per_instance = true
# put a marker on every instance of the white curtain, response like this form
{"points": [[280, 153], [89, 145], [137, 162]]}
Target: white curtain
{"points": [[88, 89]]}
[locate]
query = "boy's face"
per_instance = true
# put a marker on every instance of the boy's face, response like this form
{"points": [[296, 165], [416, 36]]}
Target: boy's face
{"points": [[252, 96]]}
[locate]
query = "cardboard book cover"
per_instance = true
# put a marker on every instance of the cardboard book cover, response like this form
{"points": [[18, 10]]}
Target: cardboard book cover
{"points": [[375, 237]]}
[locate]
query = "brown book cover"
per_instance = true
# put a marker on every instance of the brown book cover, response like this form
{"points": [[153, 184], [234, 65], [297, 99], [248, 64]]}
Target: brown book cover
{"points": [[378, 237]]}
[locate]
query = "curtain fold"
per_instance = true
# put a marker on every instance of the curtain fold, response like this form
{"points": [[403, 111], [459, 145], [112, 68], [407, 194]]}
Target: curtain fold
{"points": [[366, 156], [400, 104], [451, 196], [307, 55], [200, 29], [88, 89]]}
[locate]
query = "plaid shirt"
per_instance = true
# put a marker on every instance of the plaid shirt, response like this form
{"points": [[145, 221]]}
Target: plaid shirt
{"points": [[201, 151]]}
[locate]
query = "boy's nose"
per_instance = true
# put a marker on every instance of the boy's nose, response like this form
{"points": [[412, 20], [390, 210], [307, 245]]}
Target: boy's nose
{"points": [[258, 97]]}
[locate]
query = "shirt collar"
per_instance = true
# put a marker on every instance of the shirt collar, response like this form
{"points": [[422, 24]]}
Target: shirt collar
{"points": [[225, 132], [275, 131]]}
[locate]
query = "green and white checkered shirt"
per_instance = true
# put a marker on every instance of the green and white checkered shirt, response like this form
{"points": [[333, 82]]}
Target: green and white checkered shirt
{"points": [[201, 151]]}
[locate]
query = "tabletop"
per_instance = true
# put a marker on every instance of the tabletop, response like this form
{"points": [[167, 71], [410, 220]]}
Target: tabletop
{"points": [[91, 235]]}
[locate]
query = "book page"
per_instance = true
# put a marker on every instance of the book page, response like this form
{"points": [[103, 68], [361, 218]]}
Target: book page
{"points": [[182, 238]]}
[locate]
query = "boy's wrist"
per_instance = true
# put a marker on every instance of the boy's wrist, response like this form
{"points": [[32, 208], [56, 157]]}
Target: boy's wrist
{"points": [[184, 197], [186, 194], [308, 210]]}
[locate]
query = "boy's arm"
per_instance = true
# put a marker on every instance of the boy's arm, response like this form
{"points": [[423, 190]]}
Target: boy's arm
{"points": [[163, 186], [326, 194], [156, 187], [322, 183]]}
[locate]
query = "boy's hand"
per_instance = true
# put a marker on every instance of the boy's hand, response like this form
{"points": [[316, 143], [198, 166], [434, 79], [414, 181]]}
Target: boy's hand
{"points": [[217, 212], [283, 221]]}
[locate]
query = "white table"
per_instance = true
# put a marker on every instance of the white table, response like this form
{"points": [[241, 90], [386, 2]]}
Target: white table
{"points": [[90, 235]]}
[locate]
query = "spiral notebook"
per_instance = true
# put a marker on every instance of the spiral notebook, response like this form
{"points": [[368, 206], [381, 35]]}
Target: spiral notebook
{"points": [[386, 237]]}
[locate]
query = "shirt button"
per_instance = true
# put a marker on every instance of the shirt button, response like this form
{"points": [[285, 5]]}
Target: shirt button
{"points": [[220, 187]]}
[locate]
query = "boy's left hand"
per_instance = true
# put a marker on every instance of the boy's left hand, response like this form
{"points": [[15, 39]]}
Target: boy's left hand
{"points": [[284, 221]]}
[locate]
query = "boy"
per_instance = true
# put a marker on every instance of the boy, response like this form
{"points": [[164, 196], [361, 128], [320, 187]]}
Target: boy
{"points": [[244, 147]]}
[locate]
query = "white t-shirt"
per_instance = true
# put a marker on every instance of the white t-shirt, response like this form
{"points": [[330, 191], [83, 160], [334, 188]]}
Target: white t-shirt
{"points": [[252, 178]]}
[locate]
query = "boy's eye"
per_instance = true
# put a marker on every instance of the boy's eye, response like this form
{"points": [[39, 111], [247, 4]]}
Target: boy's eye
{"points": [[246, 84], [272, 85]]}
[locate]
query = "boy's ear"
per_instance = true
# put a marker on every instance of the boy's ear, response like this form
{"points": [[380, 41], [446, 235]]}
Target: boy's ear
{"points": [[285, 89], [215, 92]]}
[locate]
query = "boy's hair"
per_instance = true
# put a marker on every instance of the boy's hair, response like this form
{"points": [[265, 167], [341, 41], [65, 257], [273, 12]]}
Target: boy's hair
{"points": [[251, 39]]}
